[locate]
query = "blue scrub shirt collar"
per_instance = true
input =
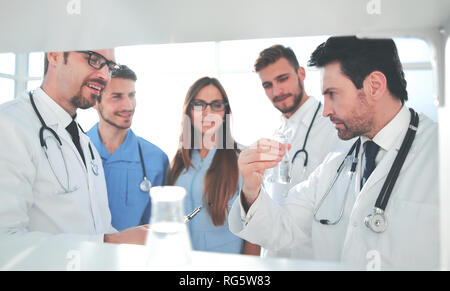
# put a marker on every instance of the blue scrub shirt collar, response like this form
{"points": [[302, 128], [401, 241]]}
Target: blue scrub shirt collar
{"points": [[127, 151]]}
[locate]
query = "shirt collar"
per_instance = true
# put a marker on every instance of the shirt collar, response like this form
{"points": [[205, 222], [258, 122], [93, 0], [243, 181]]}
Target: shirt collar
{"points": [[387, 137], [303, 114], [195, 158], [51, 111], [127, 151]]}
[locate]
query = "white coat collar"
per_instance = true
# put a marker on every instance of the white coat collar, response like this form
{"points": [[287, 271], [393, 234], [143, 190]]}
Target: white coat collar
{"points": [[389, 136], [304, 114], [52, 113]]}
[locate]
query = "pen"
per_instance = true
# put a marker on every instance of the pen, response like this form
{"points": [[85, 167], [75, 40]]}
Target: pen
{"points": [[192, 214]]}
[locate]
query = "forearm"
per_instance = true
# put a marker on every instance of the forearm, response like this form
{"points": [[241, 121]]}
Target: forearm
{"points": [[248, 197], [270, 225], [251, 249]]}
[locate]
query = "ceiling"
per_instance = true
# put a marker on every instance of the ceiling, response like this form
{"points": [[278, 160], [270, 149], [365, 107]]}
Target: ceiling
{"points": [[94, 24]]}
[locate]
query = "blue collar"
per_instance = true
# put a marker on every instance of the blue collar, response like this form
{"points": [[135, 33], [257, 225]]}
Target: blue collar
{"points": [[196, 156], [127, 151]]}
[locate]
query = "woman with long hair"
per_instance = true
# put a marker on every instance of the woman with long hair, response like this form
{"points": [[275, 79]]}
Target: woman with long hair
{"points": [[206, 166]]}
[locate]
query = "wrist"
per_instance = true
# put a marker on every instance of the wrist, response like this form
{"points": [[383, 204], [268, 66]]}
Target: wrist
{"points": [[109, 238], [248, 196], [250, 193]]}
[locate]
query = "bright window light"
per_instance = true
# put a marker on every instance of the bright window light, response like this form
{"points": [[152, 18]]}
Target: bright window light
{"points": [[8, 62], [165, 73], [36, 65], [413, 50], [6, 90]]}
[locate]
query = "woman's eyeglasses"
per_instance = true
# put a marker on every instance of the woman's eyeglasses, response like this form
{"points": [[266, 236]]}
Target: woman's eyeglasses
{"points": [[200, 105]]}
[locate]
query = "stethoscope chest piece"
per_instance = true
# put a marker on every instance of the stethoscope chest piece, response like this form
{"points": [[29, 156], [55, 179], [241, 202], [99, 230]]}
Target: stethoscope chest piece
{"points": [[145, 185], [376, 221], [94, 168]]}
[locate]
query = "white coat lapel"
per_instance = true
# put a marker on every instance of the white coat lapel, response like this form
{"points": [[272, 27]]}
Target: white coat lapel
{"points": [[385, 165], [64, 135], [381, 170], [56, 118]]}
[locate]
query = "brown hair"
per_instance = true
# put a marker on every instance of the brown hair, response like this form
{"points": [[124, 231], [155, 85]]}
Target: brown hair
{"points": [[274, 53], [222, 177]]}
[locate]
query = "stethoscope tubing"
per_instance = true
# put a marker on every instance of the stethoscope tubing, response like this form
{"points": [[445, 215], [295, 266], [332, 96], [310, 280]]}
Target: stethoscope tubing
{"points": [[43, 143], [303, 149], [386, 191], [145, 184], [355, 148]]}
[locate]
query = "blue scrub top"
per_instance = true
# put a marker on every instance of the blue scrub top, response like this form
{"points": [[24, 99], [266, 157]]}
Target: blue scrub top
{"points": [[130, 206], [205, 236]]}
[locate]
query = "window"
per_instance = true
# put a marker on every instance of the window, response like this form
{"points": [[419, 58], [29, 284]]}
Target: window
{"points": [[415, 55], [35, 70], [7, 89], [8, 63], [166, 71], [7, 69]]}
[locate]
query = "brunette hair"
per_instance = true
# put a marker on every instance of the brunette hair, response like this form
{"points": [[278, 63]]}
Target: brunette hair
{"points": [[274, 53], [222, 177]]}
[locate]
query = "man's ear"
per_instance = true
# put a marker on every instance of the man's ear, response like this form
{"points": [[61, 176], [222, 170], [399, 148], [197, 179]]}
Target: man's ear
{"points": [[54, 57], [375, 85], [301, 73]]}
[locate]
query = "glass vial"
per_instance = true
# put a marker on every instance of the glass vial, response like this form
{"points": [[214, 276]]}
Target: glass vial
{"points": [[168, 242], [284, 167]]}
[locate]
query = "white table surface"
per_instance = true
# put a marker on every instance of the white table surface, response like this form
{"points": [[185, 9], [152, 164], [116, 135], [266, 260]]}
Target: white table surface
{"points": [[59, 254]]}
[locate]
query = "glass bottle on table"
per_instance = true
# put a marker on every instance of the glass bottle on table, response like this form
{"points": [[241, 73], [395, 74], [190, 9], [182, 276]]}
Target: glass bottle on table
{"points": [[168, 242]]}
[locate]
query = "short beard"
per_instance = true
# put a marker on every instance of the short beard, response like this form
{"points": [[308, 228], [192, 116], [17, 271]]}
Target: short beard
{"points": [[297, 99], [109, 121], [78, 101], [360, 123]]}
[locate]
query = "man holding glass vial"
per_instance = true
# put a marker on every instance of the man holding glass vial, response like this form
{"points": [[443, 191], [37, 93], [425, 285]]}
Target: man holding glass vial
{"points": [[378, 197], [311, 135]]}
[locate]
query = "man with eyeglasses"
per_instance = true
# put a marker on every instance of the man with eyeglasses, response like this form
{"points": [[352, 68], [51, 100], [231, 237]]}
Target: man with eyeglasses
{"points": [[52, 182], [132, 165]]}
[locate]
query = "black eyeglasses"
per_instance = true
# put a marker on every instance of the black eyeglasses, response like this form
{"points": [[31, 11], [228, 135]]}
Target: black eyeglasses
{"points": [[98, 61], [200, 105]]}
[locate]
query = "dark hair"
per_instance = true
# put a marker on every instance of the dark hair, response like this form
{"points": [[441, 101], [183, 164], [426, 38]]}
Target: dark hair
{"points": [[66, 55], [360, 57], [125, 73], [222, 177], [274, 53]]}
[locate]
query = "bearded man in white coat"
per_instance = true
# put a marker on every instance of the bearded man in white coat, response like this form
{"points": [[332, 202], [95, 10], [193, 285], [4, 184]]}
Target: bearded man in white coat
{"points": [[330, 216], [52, 183]]}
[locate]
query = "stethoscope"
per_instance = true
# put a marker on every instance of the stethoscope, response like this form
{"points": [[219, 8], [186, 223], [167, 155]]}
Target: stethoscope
{"points": [[145, 185], [43, 141], [376, 221], [303, 149]]}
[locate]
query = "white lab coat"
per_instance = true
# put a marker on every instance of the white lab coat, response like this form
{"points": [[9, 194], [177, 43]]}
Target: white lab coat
{"points": [[411, 239], [32, 203], [322, 140]]}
